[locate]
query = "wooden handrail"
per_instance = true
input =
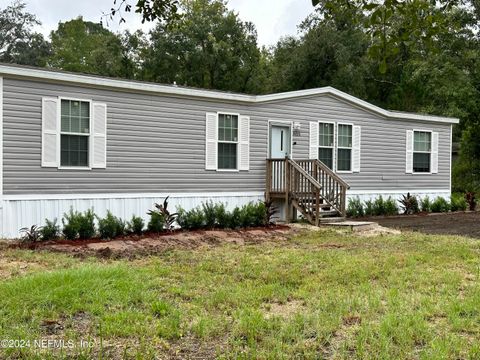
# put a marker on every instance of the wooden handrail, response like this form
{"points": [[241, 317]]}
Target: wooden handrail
{"points": [[331, 173], [310, 178], [309, 185]]}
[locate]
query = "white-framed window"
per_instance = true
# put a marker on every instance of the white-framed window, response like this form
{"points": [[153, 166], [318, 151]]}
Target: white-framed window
{"points": [[326, 143], [227, 141], [422, 151], [344, 147], [227, 145], [337, 145], [74, 133]]}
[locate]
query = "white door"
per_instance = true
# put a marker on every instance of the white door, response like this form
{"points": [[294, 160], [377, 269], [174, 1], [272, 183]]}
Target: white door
{"points": [[280, 141]]}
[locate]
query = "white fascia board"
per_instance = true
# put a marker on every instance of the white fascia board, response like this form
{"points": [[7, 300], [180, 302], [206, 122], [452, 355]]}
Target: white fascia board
{"points": [[210, 94]]}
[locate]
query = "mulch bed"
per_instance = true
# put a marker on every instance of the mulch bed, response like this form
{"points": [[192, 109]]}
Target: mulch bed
{"points": [[458, 223], [148, 244]]}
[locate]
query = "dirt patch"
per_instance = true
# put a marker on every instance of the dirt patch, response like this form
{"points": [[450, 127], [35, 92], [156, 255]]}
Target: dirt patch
{"points": [[132, 247], [461, 223], [284, 310]]}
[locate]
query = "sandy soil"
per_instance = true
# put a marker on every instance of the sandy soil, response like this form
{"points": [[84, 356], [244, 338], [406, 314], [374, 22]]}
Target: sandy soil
{"points": [[134, 246]]}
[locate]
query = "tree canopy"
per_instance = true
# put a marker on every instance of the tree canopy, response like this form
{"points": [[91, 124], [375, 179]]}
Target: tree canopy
{"points": [[18, 42]]}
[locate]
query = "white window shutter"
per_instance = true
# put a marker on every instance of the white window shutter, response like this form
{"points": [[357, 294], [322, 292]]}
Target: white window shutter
{"points": [[50, 132], [356, 143], [99, 136], [434, 154], [211, 148], [409, 152], [313, 147], [244, 142]]}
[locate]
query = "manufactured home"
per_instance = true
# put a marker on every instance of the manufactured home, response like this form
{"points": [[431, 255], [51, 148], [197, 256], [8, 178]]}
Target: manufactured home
{"points": [[72, 140]]}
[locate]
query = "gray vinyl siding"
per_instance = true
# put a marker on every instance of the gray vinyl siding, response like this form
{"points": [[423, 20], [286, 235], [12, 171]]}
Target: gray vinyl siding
{"points": [[383, 142], [156, 143]]}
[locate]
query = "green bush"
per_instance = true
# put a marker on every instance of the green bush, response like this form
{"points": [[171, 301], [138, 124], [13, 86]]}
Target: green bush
{"points": [[378, 206], [136, 225], [210, 214], [78, 225], [235, 218], [426, 204], [369, 211], [110, 226], [355, 208], [248, 215], [192, 219], [440, 205], [222, 216], [86, 227], [50, 231], [157, 222], [458, 203], [390, 207]]}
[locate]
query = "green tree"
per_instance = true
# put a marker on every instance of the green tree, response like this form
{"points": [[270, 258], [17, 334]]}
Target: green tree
{"points": [[163, 10], [208, 47], [18, 43], [330, 52], [84, 46]]}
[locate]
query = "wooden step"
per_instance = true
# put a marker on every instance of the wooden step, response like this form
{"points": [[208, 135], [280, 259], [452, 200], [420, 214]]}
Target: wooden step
{"points": [[329, 214], [331, 220]]}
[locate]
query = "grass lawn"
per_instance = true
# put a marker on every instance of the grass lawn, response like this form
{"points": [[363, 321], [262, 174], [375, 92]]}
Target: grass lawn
{"points": [[320, 295]]}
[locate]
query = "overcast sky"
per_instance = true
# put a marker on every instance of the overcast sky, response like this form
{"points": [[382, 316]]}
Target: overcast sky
{"points": [[273, 18]]}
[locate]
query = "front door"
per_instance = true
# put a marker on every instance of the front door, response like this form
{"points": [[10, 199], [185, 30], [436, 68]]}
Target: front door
{"points": [[280, 141]]}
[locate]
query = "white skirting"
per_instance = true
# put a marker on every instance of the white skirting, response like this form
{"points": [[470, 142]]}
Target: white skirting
{"points": [[396, 195], [25, 211]]}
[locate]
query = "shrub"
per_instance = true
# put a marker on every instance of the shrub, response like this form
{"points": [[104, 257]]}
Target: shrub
{"points": [[210, 214], [440, 205], [50, 230], [248, 215], [355, 208], [426, 204], [222, 216], [409, 204], [369, 208], [458, 203], [471, 200], [168, 217], [31, 234], [136, 225], [110, 226], [390, 207], [379, 206], [70, 223], [86, 224], [235, 218], [192, 219], [156, 223]]}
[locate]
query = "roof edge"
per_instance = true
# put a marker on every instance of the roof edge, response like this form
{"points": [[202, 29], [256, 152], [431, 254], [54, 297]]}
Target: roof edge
{"points": [[45, 74]]}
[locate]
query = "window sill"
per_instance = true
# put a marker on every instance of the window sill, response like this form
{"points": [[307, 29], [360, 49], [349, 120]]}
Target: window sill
{"points": [[228, 170], [80, 168], [344, 172]]}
